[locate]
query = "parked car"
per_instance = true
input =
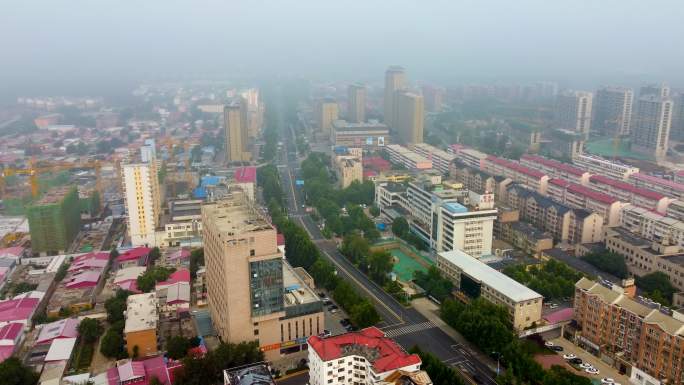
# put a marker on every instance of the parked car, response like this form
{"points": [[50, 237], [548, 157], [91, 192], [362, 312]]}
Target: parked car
{"points": [[586, 365], [576, 361], [549, 344], [607, 380], [592, 370], [569, 356], [556, 348], [345, 322]]}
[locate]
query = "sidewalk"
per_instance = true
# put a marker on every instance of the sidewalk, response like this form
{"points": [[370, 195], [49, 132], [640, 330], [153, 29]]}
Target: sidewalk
{"points": [[605, 369], [430, 311]]}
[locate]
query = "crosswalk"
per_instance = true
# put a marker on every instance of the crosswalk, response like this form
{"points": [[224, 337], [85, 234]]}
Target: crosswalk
{"points": [[409, 329]]}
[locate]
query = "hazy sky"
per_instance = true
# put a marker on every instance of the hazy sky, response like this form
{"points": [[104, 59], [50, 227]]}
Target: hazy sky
{"points": [[85, 44]]}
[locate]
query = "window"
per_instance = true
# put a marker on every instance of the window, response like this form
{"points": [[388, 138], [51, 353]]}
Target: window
{"points": [[252, 253], [256, 332]]}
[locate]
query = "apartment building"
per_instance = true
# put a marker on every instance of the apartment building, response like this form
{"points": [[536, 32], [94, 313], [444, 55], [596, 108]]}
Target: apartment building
{"points": [[556, 169], [613, 110], [237, 132], [254, 294], [525, 237], [401, 155], [573, 111], [587, 198], [473, 178], [371, 135], [666, 187], [440, 158], [641, 339], [532, 178], [140, 330], [142, 198], [327, 111], [365, 357], [476, 279], [469, 156], [652, 226], [395, 80], [676, 210], [356, 103], [556, 189], [565, 223], [602, 166], [644, 256], [651, 125], [409, 117], [348, 169], [626, 192]]}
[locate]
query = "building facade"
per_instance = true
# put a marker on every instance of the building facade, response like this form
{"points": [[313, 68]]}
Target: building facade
{"points": [[409, 116], [237, 134], [652, 123], [395, 80], [356, 103], [602, 166], [142, 197], [253, 293], [613, 110], [573, 111], [54, 221]]}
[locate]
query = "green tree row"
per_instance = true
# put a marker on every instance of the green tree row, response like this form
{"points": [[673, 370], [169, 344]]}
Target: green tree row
{"points": [[609, 262], [488, 327], [552, 279]]}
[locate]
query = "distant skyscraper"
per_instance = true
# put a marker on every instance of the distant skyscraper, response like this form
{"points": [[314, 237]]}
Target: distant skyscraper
{"points": [[613, 110], [327, 112], [236, 133], [409, 117], [356, 103], [395, 79], [434, 98], [662, 90], [652, 123], [678, 118], [573, 111]]}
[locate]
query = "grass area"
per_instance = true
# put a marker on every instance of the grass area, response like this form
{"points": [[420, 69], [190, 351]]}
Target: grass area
{"points": [[82, 358], [404, 265], [604, 147]]}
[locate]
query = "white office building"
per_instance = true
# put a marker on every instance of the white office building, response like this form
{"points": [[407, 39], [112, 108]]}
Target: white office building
{"points": [[142, 199]]}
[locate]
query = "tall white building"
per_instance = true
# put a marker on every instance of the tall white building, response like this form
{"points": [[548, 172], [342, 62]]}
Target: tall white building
{"points": [[573, 111], [142, 198]]}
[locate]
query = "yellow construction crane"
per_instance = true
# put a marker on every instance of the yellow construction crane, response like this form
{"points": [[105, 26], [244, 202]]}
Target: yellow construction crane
{"points": [[33, 171]]}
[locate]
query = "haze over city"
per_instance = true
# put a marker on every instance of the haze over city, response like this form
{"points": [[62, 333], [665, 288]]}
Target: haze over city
{"points": [[51, 45], [313, 192]]}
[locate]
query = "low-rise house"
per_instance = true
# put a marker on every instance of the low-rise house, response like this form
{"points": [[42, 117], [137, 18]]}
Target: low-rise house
{"points": [[133, 257], [65, 328], [11, 336]]}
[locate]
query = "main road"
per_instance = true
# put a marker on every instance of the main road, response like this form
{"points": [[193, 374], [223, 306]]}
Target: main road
{"points": [[405, 325]]}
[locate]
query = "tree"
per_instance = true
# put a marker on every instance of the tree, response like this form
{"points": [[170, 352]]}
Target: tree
{"points": [[196, 260], [400, 227], [90, 330], [177, 347], [149, 279], [364, 314], [115, 306], [657, 286], [380, 265], [439, 372], [433, 283], [112, 344], [13, 372], [374, 211], [155, 254], [609, 262], [208, 369], [355, 248], [61, 272]]}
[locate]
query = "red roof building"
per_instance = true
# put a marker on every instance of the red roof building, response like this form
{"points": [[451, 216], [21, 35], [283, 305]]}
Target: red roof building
{"points": [[555, 168], [133, 257], [367, 349], [245, 175], [626, 192], [141, 372], [532, 178], [376, 163]]}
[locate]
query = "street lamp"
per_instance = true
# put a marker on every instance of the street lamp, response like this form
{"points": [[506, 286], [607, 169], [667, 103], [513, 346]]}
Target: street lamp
{"points": [[498, 355]]}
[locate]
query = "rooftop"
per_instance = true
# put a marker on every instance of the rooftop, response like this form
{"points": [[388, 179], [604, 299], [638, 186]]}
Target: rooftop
{"points": [[256, 374], [659, 181], [624, 186], [133, 254], [380, 351], [591, 193], [141, 312], [61, 349], [516, 167], [11, 331], [55, 195], [343, 125], [554, 164], [245, 174], [17, 309], [129, 273], [65, 328], [235, 214], [479, 271], [296, 291]]}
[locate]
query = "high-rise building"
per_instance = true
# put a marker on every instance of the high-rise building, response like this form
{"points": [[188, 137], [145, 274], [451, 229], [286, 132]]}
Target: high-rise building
{"points": [[652, 123], [54, 221], [434, 98], [142, 196], [613, 110], [677, 130], [254, 294], [327, 111], [395, 79], [253, 111], [573, 111], [409, 117], [234, 118], [661, 90], [356, 103]]}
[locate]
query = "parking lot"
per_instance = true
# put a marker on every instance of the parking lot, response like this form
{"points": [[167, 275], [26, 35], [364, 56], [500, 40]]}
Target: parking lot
{"points": [[586, 357], [333, 317]]}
